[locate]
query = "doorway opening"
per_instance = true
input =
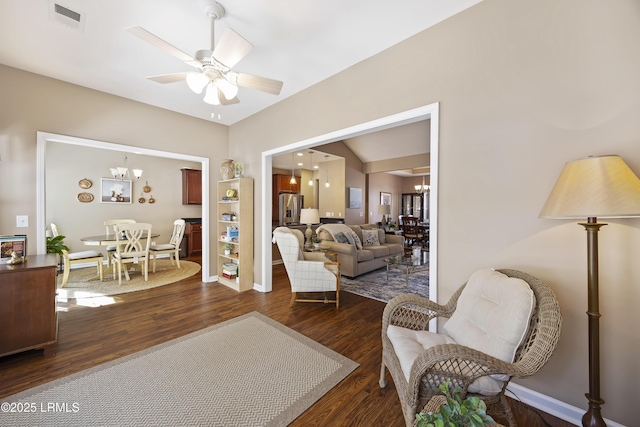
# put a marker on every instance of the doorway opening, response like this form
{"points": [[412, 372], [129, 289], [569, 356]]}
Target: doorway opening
{"points": [[44, 137], [430, 112]]}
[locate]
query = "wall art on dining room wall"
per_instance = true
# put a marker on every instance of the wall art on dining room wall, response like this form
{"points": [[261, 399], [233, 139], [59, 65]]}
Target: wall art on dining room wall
{"points": [[355, 198], [115, 191]]}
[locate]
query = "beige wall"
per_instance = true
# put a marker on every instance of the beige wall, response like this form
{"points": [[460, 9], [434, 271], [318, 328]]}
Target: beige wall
{"points": [[32, 103], [76, 220], [523, 88]]}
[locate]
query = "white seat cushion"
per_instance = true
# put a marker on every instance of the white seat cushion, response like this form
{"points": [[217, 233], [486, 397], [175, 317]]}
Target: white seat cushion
{"points": [[84, 254], [492, 315], [409, 344], [162, 247], [111, 248]]}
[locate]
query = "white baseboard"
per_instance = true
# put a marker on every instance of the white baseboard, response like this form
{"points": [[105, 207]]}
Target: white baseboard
{"points": [[551, 406]]}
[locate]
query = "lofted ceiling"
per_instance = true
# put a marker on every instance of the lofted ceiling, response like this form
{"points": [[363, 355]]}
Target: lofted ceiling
{"points": [[297, 42]]}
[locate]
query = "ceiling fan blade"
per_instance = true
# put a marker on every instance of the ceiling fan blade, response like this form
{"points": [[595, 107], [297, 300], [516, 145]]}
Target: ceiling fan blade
{"points": [[169, 78], [161, 44], [231, 48], [225, 101], [259, 83]]}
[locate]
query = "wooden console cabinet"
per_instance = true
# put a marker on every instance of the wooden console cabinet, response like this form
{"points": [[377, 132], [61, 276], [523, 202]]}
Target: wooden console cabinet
{"points": [[28, 305]]}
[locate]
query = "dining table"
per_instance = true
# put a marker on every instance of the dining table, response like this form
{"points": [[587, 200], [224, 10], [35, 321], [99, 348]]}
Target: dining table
{"points": [[107, 240]]}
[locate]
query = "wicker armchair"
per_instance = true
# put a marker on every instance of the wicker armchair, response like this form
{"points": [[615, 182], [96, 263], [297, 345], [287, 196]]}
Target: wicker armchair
{"points": [[463, 365]]}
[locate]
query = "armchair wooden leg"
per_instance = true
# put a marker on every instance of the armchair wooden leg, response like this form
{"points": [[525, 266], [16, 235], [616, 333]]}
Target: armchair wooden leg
{"points": [[293, 299]]}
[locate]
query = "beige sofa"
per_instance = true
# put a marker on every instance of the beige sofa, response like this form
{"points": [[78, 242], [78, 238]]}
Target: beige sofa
{"points": [[355, 260]]}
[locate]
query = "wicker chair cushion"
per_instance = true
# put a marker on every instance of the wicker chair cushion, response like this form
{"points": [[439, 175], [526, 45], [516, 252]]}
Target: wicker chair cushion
{"points": [[409, 344], [492, 314]]}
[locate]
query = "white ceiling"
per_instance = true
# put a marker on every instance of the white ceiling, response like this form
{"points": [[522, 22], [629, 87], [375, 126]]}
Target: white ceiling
{"points": [[297, 42]]}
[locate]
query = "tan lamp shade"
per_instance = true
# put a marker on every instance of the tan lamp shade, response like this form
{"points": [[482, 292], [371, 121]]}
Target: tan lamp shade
{"points": [[309, 216], [602, 186], [384, 209]]}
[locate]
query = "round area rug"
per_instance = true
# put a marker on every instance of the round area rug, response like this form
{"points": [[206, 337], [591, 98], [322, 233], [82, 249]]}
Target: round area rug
{"points": [[83, 283]]}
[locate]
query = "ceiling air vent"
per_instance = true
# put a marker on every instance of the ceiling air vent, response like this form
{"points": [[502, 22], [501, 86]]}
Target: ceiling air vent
{"points": [[66, 16]]}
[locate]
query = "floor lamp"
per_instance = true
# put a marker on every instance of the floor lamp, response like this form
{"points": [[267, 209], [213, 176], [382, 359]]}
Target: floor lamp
{"points": [[594, 187]]}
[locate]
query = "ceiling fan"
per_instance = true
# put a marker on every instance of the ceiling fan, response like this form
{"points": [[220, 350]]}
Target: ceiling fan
{"points": [[214, 65]]}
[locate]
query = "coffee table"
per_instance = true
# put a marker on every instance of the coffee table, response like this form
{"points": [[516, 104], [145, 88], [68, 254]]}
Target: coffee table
{"points": [[406, 264]]}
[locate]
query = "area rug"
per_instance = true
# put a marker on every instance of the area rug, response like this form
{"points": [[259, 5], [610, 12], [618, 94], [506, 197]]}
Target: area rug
{"points": [[81, 285], [248, 371], [374, 284]]}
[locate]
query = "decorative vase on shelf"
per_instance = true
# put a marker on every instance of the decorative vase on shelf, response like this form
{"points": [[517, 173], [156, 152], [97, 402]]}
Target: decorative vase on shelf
{"points": [[227, 169]]}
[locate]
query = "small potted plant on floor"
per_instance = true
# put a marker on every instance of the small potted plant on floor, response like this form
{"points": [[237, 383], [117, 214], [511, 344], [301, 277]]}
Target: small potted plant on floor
{"points": [[55, 245], [227, 248], [454, 412]]}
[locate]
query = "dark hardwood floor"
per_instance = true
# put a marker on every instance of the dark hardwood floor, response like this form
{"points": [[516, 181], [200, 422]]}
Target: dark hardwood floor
{"points": [[89, 336]]}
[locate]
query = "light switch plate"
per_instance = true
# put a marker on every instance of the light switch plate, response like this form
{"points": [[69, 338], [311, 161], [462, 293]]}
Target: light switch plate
{"points": [[22, 221]]}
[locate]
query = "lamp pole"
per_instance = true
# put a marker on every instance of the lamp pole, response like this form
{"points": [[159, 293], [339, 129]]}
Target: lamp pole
{"points": [[593, 417]]}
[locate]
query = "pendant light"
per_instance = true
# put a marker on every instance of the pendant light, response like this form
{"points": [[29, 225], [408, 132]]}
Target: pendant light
{"points": [[311, 168], [292, 181], [326, 164]]}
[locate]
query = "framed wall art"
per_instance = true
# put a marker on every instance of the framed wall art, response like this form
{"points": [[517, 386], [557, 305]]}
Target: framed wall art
{"points": [[355, 198], [385, 198], [115, 191]]}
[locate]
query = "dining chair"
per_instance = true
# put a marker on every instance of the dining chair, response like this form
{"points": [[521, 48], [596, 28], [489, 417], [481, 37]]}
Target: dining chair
{"points": [[411, 231], [108, 224], [171, 248], [77, 258], [132, 247]]}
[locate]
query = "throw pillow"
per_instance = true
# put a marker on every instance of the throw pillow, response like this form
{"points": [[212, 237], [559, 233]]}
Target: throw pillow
{"points": [[370, 238], [340, 238], [356, 239]]}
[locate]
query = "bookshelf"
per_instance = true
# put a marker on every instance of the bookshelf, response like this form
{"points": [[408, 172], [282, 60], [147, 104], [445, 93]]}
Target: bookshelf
{"points": [[235, 229]]}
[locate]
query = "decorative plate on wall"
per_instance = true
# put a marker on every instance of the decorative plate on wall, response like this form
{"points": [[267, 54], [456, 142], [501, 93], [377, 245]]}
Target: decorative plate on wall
{"points": [[85, 183], [146, 188], [85, 197]]}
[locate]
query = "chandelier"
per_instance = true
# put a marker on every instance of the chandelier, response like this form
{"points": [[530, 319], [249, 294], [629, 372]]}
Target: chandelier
{"points": [[421, 188], [122, 172]]}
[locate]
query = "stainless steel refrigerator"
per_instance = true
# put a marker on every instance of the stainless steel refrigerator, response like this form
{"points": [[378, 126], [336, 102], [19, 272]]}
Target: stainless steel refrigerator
{"points": [[290, 205]]}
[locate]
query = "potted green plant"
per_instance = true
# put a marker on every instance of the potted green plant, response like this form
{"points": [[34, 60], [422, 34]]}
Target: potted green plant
{"points": [[316, 241], [55, 245], [470, 412], [227, 248]]}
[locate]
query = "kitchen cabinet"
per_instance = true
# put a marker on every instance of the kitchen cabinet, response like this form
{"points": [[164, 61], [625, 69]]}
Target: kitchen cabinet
{"points": [[28, 305], [191, 186], [193, 233]]}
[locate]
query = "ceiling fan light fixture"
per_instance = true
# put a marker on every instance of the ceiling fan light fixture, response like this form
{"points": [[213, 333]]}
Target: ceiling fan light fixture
{"points": [[197, 82], [229, 90], [211, 95]]}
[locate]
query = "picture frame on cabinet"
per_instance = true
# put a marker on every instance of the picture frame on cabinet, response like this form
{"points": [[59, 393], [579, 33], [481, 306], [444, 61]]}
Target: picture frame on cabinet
{"points": [[10, 244]]}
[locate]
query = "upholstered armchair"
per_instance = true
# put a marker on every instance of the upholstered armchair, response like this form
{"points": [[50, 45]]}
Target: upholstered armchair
{"points": [[309, 272], [501, 324]]}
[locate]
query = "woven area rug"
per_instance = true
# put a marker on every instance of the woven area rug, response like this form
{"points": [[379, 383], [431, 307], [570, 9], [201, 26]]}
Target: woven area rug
{"points": [[80, 284], [248, 371], [374, 284]]}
